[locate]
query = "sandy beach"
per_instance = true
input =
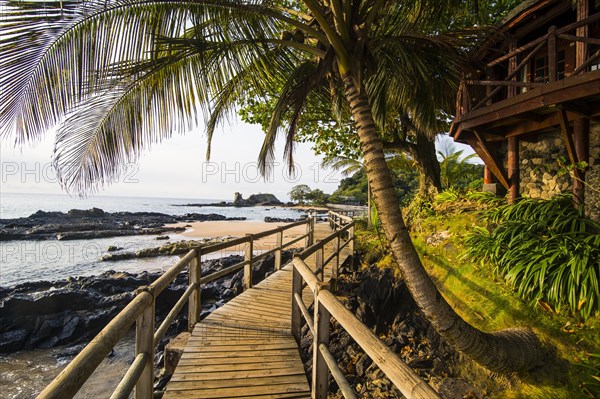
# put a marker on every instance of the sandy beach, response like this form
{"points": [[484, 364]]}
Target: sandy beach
{"points": [[239, 229]]}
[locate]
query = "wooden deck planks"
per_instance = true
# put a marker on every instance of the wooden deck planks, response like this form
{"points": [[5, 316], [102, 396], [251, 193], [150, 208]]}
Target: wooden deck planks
{"points": [[245, 348]]}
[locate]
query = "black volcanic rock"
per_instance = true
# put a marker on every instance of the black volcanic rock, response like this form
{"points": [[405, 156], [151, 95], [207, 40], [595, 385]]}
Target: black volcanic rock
{"points": [[72, 311], [79, 224]]}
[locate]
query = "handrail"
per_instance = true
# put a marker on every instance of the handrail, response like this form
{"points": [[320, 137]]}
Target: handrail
{"points": [[326, 305], [140, 311]]}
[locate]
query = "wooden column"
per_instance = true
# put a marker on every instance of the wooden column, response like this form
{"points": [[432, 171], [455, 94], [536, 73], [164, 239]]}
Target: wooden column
{"points": [[488, 176], [144, 343], [581, 142], [583, 11], [195, 302], [552, 55], [512, 65], [513, 169], [248, 265], [320, 372], [278, 244]]}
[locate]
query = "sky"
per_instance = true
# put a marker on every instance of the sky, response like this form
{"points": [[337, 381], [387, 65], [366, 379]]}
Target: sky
{"points": [[176, 168]]}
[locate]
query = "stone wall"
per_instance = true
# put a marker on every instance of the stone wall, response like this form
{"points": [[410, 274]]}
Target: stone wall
{"points": [[592, 177], [539, 167]]}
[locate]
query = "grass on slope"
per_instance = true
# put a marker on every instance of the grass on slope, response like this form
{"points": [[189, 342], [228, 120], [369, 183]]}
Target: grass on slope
{"points": [[489, 304]]}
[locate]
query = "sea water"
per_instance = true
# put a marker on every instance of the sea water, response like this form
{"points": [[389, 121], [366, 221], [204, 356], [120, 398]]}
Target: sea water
{"points": [[49, 260]]}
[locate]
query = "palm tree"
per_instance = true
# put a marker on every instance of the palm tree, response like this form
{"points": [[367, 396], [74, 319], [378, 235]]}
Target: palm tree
{"points": [[119, 75]]}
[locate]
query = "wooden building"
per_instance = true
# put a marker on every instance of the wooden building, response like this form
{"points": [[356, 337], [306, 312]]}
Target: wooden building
{"points": [[532, 108]]}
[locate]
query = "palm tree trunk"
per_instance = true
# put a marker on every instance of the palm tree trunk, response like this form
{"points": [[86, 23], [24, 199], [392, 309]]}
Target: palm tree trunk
{"points": [[423, 152], [507, 350], [369, 217]]}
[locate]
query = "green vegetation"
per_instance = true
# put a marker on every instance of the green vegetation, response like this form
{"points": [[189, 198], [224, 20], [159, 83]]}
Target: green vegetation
{"points": [[546, 250], [304, 194], [488, 302]]}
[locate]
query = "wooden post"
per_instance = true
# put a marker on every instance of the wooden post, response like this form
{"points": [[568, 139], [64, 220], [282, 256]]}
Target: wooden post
{"points": [[307, 242], [278, 245], [195, 301], [312, 228], [552, 52], [581, 140], [144, 343], [320, 372], [351, 246], [248, 266], [583, 11], [513, 169], [335, 269], [512, 65], [488, 176], [319, 261], [296, 314]]}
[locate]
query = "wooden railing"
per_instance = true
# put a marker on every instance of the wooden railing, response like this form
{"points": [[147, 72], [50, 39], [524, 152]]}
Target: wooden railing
{"points": [[476, 92], [141, 311], [326, 305]]}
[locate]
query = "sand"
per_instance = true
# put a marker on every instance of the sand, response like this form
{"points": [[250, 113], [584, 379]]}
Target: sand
{"points": [[239, 229]]}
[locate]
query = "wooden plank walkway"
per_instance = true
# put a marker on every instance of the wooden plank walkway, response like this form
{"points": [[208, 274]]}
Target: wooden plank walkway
{"points": [[245, 348]]}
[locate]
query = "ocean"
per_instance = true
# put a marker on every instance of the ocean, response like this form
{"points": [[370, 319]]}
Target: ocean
{"points": [[28, 261]]}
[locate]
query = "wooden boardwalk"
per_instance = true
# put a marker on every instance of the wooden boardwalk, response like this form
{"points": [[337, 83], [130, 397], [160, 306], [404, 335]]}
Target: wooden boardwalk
{"points": [[245, 348]]}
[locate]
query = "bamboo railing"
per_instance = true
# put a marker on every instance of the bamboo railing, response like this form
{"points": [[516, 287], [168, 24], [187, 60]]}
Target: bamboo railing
{"points": [[141, 312], [326, 305]]}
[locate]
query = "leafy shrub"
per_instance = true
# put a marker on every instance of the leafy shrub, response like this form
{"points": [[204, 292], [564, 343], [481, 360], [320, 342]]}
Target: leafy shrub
{"points": [[546, 250], [483, 197], [449, 195]]}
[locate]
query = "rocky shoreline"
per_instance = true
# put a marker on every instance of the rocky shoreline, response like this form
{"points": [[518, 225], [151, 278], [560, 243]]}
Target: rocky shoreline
{"points": [[72, 311], [383, 303], [93, 223]]}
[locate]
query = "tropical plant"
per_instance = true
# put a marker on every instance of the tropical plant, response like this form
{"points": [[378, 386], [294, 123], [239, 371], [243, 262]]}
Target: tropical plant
{"points": [[118, 75], [546, 250], [456, 170]]}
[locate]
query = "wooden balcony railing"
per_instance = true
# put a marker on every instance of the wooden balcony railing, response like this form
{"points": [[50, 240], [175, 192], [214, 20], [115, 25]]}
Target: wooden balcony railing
{"points": [[476, 92]]}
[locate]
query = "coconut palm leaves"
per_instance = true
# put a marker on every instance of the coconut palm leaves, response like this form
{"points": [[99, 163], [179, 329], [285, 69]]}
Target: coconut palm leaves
{"points": [[117, 76]]}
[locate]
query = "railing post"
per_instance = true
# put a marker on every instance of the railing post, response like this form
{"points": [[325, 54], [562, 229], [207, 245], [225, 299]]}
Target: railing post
{"points": [[319, 261], [313, 221], [335, 269], [195, 301], [552, 52], [144, 343], [248, 265], [309, 231], [351, 246], [296, 315], [278, 245], [320, 373]]}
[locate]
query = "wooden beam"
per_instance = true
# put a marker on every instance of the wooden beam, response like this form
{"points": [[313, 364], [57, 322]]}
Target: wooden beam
{"points": [[572, 88], [481, 147], [513, 169], [581, 142], [552, 55], [489, 83], [567, 135]]}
